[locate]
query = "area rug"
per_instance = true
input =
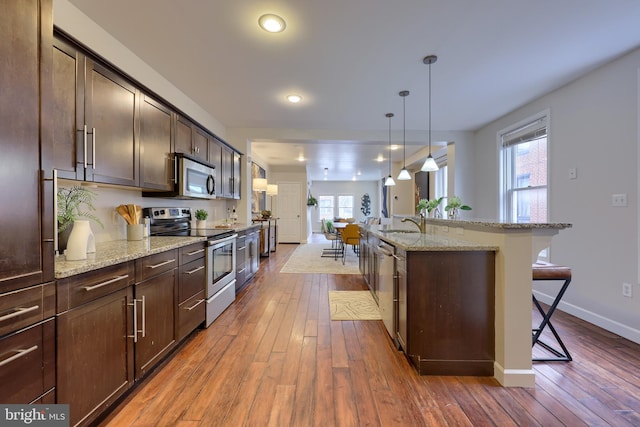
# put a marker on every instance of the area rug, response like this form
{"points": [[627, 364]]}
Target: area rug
{"points": [[307, 258], [353, 305]]}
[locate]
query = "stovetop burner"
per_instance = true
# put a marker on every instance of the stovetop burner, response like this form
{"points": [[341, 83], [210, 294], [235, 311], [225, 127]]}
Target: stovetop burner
{"points": [[176, 222]]}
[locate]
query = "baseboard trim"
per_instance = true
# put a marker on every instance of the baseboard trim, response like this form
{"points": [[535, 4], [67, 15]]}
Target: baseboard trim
{"points": [[514, 377], [610, 325]]}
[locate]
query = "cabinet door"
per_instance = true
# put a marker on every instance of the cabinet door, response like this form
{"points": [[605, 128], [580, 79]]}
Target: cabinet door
{"points": [[21, 256], [227, 172], [156, 303], [401, 274], [215, 158], [156, 167], [237, 182], [68, 111], [110, 116], [200, 144], [183, 136], [95, 354]]}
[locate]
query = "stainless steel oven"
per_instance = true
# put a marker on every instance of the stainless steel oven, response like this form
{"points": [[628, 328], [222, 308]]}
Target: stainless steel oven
{"points": [[221, 275]]}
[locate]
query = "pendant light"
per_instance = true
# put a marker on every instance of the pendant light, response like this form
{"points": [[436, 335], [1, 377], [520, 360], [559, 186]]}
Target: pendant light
{"points": [[429, 165], [389, 182], [404, 174]]}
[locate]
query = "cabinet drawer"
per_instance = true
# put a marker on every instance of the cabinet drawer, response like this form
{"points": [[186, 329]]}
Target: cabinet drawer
{"points": [[19, 309], [193, 278], [82, 288], [192, 253], [155, 264], [27, 363], [191, 314]]}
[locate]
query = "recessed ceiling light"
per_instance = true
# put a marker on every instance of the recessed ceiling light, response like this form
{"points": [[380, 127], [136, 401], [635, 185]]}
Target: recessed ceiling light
{"points": [[272, 23], [301, 158], [294, 99]]}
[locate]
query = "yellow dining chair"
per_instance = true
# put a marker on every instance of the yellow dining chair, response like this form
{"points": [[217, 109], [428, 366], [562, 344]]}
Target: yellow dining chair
{"points": [[350, 236]]}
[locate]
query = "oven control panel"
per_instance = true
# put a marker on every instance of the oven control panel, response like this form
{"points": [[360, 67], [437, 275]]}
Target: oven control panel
{"points": [[167, 213]]}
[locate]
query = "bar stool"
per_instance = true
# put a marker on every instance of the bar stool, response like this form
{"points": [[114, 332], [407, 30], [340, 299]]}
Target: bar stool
{"points": [[547, 271]]}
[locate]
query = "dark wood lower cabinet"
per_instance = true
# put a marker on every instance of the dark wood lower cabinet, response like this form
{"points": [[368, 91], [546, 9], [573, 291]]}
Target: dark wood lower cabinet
{"points": [[446, 309], [95, 354], [156, 302], [27, 364]]}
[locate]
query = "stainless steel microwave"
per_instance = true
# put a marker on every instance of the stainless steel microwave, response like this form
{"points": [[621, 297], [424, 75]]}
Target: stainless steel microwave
{"points": [[196, 179], [193, 179]]}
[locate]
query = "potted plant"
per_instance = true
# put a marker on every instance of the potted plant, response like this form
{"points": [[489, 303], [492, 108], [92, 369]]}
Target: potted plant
{"points": [[73, 204], [266, 214], [201, 218], [431, 206], [454, 206], [311, 201]]}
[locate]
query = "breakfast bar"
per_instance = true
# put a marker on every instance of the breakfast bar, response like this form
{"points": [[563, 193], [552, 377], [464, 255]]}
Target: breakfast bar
{"points": [[518, 247]]}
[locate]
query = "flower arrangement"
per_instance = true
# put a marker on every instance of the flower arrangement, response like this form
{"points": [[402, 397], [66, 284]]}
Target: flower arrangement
{"points": [[430, 206], [454, 206]]}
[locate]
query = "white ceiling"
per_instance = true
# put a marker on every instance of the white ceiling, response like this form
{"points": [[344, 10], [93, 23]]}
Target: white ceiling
{"points": [[348, 59]]}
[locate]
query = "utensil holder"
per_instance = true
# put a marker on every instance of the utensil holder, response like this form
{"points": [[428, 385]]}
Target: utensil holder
{"points": [[135, 231]]}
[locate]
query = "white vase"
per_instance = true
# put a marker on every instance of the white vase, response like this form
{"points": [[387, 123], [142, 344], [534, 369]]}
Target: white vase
{"points": [[201, 224], [81, 241]]}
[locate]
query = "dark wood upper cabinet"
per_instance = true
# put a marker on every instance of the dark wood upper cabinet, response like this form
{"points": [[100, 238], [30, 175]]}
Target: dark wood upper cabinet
{"points": [[68, 111], [110, 117], [200, 144], [227, 172], [95, 135], [236, 174], [215, 158], [156, 165], [23, 73]]}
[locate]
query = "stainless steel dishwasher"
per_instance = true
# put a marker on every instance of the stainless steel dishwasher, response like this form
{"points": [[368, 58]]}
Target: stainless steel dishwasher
{"points": [[387, 294]]}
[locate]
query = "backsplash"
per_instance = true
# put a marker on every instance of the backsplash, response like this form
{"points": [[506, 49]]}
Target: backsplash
{"points": [[108, 198]]}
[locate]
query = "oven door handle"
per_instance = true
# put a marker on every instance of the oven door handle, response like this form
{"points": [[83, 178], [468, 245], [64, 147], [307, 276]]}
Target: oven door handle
{"points": [[221, 241]]}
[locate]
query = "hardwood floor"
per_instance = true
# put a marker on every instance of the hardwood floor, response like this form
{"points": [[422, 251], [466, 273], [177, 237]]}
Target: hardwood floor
{"points": [[274, 358]]}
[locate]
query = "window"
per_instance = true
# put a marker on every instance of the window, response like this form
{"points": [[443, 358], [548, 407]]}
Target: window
{"points": [[524, 172], [345, 207], [325, 207]]}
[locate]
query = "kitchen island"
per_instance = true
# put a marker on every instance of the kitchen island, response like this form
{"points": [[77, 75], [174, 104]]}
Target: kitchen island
{"points": [[518, 246]]}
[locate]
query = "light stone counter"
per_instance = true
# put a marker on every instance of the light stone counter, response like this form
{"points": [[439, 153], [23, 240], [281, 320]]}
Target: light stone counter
{"points": [[117, 251], [410, 239]]}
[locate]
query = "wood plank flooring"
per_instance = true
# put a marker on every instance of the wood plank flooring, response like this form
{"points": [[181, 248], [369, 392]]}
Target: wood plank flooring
{"points": [[274, 358]]}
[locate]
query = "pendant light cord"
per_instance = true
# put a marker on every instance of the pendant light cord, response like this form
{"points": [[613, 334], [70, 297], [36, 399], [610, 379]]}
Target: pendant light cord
{"points": [[429, 108]]}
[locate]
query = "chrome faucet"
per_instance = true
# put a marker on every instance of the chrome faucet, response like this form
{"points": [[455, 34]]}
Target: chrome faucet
{"points": [[422, 225]]}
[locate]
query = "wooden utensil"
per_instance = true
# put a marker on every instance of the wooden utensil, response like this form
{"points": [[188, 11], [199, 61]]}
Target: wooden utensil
{"points": [[124, 213]]}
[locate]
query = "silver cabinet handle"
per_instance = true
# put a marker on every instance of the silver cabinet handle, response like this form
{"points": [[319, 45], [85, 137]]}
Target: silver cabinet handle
{"points": [[195, 252], [108, 282], [240, 271], [194, 270], [18, 312], [85, 145], [18, 355], [161, 264], [241, 248], [135, 321], [94, 147], [144, 315], [195, 305]]}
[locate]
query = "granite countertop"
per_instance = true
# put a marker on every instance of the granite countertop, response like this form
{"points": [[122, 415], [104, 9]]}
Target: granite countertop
{"points": [[117, 251], [493, 223], [413, 240]]}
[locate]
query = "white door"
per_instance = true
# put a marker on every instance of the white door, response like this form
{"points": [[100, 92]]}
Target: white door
{"points": [[289, 212]]}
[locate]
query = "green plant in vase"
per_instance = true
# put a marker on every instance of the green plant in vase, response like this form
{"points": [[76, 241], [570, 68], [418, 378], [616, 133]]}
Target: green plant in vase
{"points": [[454, 206], [201, 214], [73, 204]]}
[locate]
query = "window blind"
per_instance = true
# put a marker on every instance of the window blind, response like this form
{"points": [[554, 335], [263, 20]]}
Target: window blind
{"points": [[529, 132]]}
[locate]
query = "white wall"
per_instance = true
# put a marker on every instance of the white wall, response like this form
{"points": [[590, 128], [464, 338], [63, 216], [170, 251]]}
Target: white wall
{"points": [[593, 128], [355, 188]]}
